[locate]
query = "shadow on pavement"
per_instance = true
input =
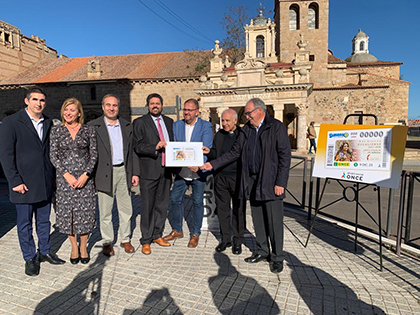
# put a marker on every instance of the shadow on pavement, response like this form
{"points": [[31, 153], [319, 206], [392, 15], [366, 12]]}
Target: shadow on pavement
{"points": [[158, 300], [83, 294], [7, 215], [235, 293], [324, 294]]}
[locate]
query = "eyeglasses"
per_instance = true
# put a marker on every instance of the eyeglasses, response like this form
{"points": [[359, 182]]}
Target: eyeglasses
{"points": [[188, 110], [249, 113]]}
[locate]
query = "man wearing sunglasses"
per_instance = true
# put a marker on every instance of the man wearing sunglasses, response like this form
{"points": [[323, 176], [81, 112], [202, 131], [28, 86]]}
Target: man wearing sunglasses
{"points": [[264, 149], [189, 129]]}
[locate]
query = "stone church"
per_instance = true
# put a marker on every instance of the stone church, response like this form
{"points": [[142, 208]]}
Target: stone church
{"points": [[287, 63]]}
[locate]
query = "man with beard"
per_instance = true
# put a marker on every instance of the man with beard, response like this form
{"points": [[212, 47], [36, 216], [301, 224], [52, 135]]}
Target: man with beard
{"points": [[189, 129], [225, 188], [116, 172], [151, 133]]}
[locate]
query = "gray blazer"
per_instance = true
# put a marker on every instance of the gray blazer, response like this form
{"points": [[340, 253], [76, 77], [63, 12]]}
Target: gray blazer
{"points": [[103, 170]]}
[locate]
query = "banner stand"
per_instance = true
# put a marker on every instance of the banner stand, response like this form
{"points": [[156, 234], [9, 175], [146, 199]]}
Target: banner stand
{"points": [[356, 200]]}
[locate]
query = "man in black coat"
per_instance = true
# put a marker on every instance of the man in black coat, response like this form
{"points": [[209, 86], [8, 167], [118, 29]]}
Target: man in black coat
{"points": [[24, 155], [226, 188], [151, 133], [115, 174], [264, 149]]}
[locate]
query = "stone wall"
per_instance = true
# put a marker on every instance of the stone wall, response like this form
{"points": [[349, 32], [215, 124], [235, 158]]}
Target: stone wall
{"points": [[392, 71], [18, 52], [132, 94]]}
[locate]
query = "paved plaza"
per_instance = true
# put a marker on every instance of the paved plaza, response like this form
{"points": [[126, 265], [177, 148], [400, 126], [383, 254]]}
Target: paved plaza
{"points": [[327, 277]]}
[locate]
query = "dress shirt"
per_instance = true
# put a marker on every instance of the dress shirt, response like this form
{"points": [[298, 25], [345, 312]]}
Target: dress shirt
{"points": [[38, 125], [116, 139], [162, 124]]}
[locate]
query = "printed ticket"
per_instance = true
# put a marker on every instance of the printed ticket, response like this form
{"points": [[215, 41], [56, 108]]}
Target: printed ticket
{"points": [[367, 149]]}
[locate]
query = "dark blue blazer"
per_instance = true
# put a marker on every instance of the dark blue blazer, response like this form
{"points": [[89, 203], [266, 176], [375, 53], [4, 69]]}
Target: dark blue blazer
{"points": [[25, 158], [202, 132]]}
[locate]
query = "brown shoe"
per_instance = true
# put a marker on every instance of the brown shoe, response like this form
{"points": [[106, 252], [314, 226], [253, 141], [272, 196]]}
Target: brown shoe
{"points": [[145, 249], [108, 250], [160, 241], [173, 235], [128, 247], [193, 241]]}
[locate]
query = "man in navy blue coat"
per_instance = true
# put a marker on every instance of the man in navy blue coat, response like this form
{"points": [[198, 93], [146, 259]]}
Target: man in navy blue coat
{"points": [[189, 129], [24, 155]]}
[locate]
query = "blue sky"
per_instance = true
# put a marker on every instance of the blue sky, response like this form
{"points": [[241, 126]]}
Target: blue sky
{"points": [[104, 27]]}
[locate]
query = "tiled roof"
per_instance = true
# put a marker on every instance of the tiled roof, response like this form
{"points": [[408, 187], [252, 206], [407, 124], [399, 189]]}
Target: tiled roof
{"points": [[373, 64], [186, 64], [333, 59]]}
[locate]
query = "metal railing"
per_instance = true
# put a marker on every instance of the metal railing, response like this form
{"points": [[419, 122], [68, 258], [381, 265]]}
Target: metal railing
{"points": [[310, 189]]}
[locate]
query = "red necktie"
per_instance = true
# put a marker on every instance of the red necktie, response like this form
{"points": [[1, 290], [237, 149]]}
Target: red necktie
{"points": [[162, 138]]}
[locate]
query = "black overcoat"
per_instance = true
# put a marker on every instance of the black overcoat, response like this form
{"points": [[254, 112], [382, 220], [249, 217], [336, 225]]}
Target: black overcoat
{"points": [[26, 159], [275, 159]]}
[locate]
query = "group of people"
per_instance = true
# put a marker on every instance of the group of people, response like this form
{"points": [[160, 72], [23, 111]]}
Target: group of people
{"points": [[107, 156]]}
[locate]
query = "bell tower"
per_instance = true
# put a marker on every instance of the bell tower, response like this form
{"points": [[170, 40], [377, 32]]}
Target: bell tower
{"points": [[260, 37], [307, 19]]}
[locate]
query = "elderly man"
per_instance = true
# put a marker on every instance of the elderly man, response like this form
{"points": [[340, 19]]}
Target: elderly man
{"points": [[225, 188], [24, 154], [189, 129], [264, 149], [115, 173], [151, 133]]}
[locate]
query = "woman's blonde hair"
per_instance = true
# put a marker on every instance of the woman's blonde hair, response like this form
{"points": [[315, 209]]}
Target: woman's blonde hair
{"points": [[76, 102]]}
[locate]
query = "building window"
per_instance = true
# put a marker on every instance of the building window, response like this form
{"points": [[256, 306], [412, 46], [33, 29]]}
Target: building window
{"points": [[260, 46], [313, 16], [93, 93], [7, 38], [294, 17], [362, 46]]}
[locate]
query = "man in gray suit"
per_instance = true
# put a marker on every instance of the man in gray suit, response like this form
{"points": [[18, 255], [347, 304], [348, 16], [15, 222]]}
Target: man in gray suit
{"points": [[115, 173]]}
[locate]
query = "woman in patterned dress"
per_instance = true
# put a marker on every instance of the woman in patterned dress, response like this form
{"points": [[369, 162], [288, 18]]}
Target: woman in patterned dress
{"points": [[73, 152]]}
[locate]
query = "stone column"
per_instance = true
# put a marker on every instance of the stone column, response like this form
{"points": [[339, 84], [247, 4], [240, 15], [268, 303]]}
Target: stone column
{"points": [[302, 110], [278, 111], [204, 113]]}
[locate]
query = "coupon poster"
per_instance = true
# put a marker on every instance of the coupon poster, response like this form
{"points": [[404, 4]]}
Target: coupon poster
{"points": [[361, 153]]}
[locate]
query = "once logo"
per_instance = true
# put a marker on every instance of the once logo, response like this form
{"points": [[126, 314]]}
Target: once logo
{"points": [[355, 177]]}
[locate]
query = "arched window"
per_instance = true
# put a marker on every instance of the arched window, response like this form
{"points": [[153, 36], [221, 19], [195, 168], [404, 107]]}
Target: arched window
{"points": [[294, 17], [362, 46], [260, 46], [313, 16]]}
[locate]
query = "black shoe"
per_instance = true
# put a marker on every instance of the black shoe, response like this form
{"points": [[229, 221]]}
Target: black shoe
{"points": [[74, 261], [85, 260], [237, 249], [255, 258], [276, 266], [52, 259], [222, 247], [32, 267]]}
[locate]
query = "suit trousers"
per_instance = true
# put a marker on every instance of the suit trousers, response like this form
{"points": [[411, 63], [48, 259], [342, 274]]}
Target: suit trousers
{"points": [[25, 213], [124, 207], [155, 202], [225, 192], [267, 217]]}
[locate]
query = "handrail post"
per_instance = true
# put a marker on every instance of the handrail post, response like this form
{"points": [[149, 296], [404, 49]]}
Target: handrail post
{"points": [[409, 207], [389, 214], [401, 213]]}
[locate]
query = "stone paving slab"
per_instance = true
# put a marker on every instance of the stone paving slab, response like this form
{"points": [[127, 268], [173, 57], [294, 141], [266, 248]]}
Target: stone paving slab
{"points": [[327, 277]]}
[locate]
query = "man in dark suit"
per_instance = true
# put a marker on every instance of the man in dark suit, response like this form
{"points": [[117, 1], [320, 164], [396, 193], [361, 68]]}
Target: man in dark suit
{"points": [[264, 149], [115, 173], [151, 133], [24, 154], [226, 188], [189, 129]]}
